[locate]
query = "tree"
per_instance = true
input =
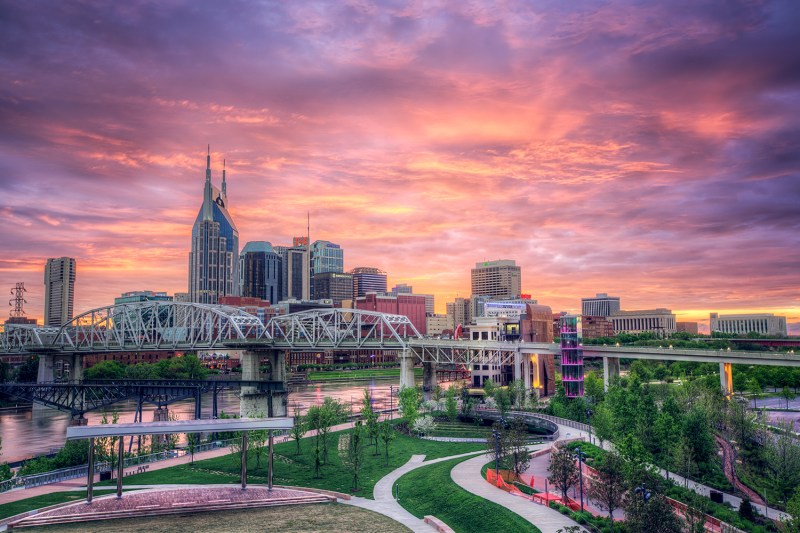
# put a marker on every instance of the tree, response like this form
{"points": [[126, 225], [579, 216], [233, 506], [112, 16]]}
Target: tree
{"points": [[594, 388], [192, 441], [517, 393], [28, 372], [792, 525], [754, 387], [258, 441], [424, 425], [602, 423], [298, 429], [695, 514], [787, 395], [653, 515], [563, 472], [683, 459], [608, 490], [783, 460], [503, 400], [517, 457], [370, 418], [105, 370], [409, 401], [489, 388], [660, 372], [451, 405], [321, 418], [5, 470], [746, 510], [105, 447], [351, 451], [387, 436]]}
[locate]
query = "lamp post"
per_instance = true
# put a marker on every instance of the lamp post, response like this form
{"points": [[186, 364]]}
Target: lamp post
{"points": [[391, 399], [496, 435], [580, 456], [589, 414]]}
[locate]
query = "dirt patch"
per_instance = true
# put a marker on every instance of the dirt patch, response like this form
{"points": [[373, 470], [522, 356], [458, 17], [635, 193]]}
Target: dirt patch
{"points": [[295, 518]]}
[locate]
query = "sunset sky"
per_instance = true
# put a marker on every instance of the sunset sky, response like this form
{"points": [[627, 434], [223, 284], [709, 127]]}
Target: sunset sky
{"points": [[650, 150]]}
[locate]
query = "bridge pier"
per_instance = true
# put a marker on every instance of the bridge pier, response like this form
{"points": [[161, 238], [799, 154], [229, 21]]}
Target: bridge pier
{"points": [[407, 368], [255, 404], [610, 370], [428, 380], [726, 378]]}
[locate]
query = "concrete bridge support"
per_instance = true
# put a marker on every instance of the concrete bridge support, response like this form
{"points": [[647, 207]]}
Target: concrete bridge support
{"points": [[407, 358], [428, 380], [726, 378], [610, 370], [255, 404]]}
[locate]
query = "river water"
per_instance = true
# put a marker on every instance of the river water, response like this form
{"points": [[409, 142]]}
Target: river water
{"points": [[28, 433]]}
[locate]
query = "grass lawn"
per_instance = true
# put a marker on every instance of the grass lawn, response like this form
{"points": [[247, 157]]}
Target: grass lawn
{"points": [[431, 491], [296, 518], [461, 429], [317, 375], [37, 502], [298, 470]]}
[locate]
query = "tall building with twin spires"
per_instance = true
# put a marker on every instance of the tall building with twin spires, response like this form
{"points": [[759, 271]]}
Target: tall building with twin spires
{"points": [[214, 259]]}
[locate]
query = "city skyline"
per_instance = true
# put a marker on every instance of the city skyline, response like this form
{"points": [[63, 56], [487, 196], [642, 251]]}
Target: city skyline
{"points": [[643, 150]]}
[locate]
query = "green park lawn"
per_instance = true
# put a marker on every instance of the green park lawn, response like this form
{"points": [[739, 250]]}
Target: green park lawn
{"points": [[431, 491], [298, 470], [45, 500]]}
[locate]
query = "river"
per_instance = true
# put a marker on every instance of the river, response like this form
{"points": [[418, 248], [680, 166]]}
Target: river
{"points": [[28, 433]]}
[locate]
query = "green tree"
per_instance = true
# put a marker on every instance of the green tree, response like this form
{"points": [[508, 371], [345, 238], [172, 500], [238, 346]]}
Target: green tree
{"points": [[370, 418], [695, 513], [106, 447], [409, 401], [28, 372], [755, 388], [5, 470], [387, 436], [503, 400], [321, 418], [298, 429], [594, 388], [351, 451], [653, 515], [787, 395], [683, 459], [192, 442], [451, 405], [602, 423], [517, 393], [518, 457], [783, 460], [792, 525], [105, 370], [563, 472], [489, 388], [660, 372], [608, 490]]}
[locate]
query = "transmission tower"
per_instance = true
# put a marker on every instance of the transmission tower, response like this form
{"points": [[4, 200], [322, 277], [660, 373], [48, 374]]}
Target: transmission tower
{"points": [[18, 301]]}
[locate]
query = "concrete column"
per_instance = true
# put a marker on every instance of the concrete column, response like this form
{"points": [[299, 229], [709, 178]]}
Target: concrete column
{"points": [[46, 363], [76, 368], [90, 473], [517, 365], [428, 380], [527, 369], [120, 465], [244, 460], [407, 358], [252, 402], [726, 378], [610, 370], [269, 463]]}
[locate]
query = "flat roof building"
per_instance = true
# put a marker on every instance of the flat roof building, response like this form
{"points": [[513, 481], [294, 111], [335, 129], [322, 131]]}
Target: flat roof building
{"points": [[498, 279], [601, 305], [659, 321], [761, 323], [59, 290]]}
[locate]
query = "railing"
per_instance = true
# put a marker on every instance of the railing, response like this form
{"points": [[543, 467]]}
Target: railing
{"points": [[54, 476], [63, 474], [552, 420]]}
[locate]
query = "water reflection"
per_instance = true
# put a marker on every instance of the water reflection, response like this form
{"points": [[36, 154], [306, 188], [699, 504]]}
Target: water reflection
{"points": [[28, 433]]}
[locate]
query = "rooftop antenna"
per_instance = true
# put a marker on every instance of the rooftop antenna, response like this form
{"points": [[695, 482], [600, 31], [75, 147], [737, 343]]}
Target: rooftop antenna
{"points": [[18, 300]]}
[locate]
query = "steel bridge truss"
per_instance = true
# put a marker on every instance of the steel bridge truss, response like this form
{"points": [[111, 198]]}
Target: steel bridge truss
{"points": [[463, 353], [341, 328], [79, 398]]}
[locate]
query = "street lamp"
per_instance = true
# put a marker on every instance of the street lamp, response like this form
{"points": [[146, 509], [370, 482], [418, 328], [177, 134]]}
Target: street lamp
{"points": [[642, 489], [589, 414], [580, 456], [496, 435]]}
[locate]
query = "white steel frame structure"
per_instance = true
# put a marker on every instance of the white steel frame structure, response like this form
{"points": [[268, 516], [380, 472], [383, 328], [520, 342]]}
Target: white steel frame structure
{"points": [[341, 328]]}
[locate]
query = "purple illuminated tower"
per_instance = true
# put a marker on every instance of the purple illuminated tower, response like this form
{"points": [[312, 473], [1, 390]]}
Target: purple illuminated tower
{"points": [[571, 355]]}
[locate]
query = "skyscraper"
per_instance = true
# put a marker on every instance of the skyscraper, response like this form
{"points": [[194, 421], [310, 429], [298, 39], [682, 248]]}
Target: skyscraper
{"points": [[326, 257], [296, 273], [59, 290], [214, 259], [498, 279], [600, 305], [368, 279], [262, 272]]}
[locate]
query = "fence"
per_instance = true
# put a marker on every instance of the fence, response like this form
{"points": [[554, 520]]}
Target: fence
{"points": [[63, 474]]}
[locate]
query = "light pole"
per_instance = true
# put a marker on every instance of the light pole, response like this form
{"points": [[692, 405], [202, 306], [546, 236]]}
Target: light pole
{"points": [[580, 456], [589, 414], [496, 435]]}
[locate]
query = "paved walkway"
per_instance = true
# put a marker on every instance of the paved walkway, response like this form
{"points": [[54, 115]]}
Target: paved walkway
{"points": [[467, 475]]}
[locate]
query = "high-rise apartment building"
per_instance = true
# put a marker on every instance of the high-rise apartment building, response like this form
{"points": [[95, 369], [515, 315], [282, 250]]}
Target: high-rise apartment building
{"points": [[326, 257], [333, 286], [214, 259], [460, 312], [498, 279], [601, 305], [368, 279], [262, 272], [763, 324], [296, 273], [59, 290]]}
